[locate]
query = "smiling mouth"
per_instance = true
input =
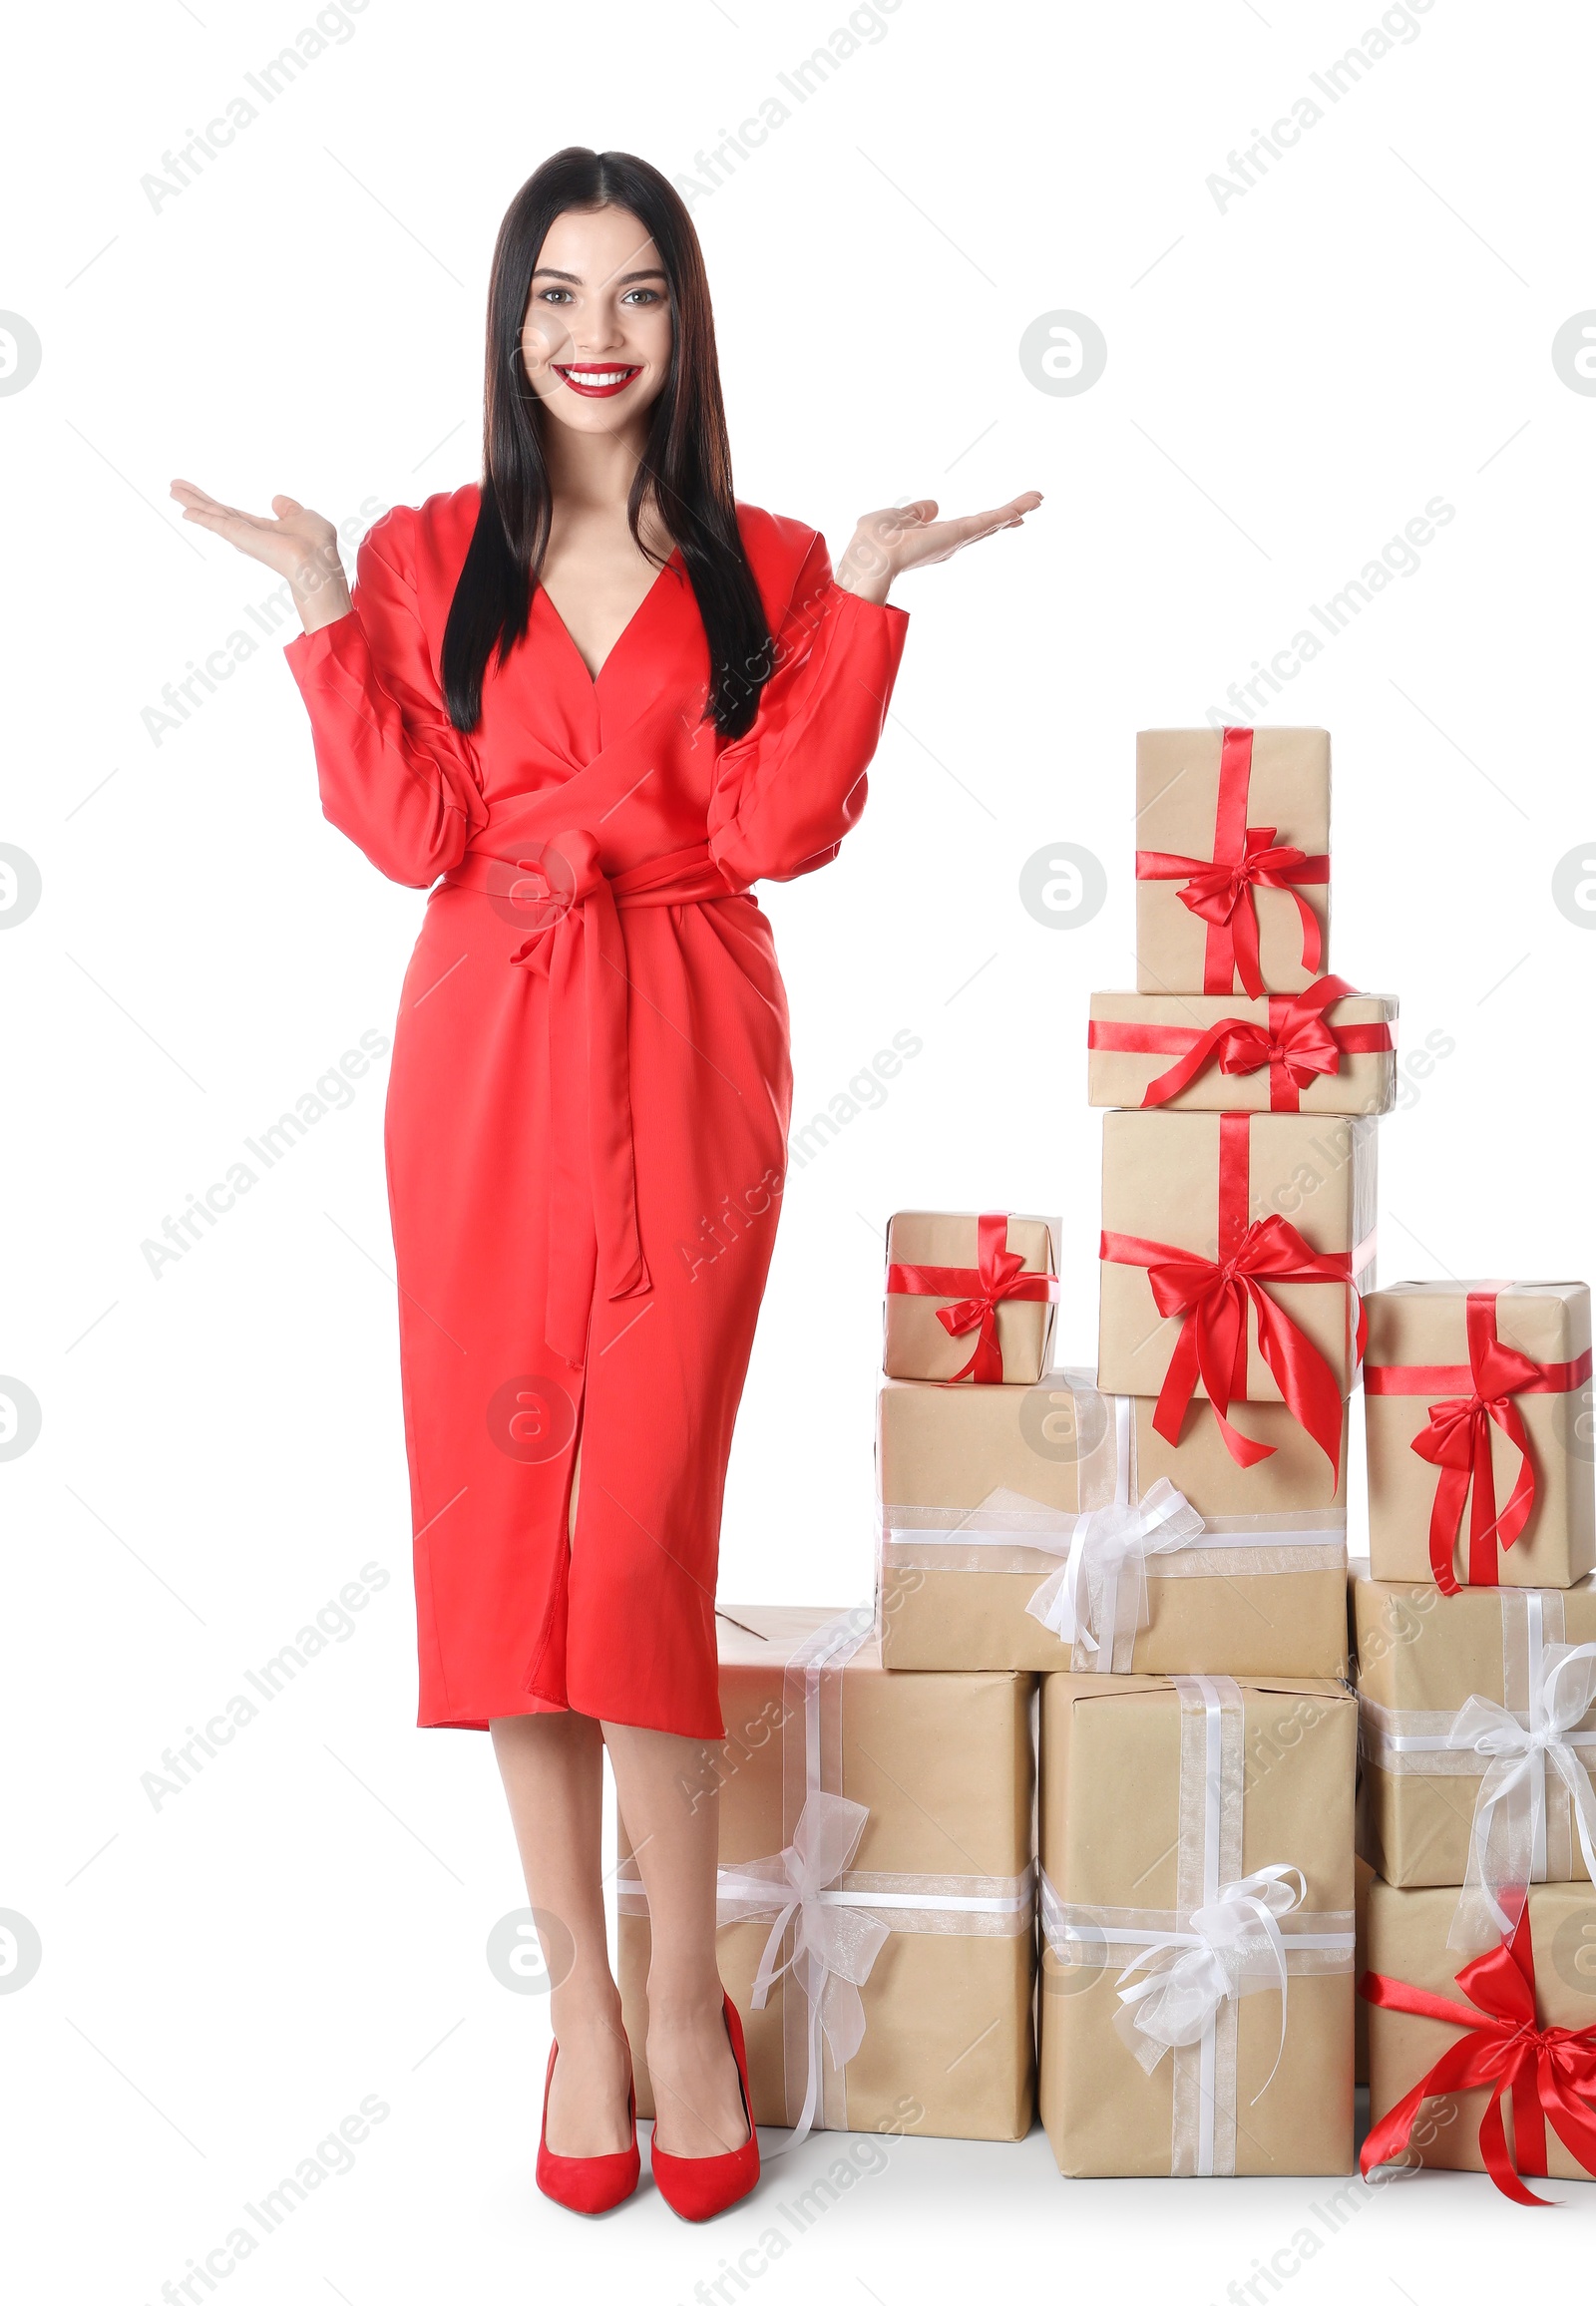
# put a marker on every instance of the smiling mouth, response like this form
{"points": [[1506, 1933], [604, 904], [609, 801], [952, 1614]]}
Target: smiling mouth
{"points": [[595, 382]]}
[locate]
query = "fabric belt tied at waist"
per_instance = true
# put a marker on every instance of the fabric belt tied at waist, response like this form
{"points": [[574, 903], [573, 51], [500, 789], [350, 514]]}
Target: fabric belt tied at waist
{"points": [[571, 909]]}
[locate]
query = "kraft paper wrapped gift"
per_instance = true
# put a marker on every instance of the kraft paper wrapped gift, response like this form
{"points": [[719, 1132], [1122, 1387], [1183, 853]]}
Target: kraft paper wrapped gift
{"points": [[1327, 1051], [993, 1276], [1477, 1723], [1364, 1874], [1039, 1528], [1478, 1418], [1242, 1792], [1407, 1944], [1232, 860], [912, 1788], [1208, 1213]]}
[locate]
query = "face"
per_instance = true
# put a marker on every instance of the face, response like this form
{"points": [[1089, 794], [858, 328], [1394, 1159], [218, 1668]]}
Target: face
{"points": [[596, 337]]}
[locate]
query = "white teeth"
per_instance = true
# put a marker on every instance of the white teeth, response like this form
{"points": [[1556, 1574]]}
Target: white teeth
{"points": [[603, 376]]}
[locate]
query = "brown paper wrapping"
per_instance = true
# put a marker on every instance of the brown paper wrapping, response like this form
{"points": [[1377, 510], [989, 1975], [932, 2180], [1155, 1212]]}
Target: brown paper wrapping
{"points": [[1408, 1940], [1362, 1875], [1177, 796], [1364, 1081], [1420, 1324], [1421, 1651], [944, 1764], [917, 1345], [1101, 1736], [1161, 1183], [941, 1448]]}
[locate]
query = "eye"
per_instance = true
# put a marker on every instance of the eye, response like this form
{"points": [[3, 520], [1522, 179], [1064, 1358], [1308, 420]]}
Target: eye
{"points": [[642, 296], [554, 295]]}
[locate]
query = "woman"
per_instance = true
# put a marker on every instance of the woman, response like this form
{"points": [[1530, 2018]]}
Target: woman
{"points": [[589, 703]]}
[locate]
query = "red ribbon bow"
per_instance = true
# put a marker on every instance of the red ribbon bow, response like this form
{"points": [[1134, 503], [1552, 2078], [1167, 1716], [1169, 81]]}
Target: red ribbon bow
{"points": [[1550, 2069], [1212, 1296], [1222, 891], [998, 1277], [1458, 1439]]}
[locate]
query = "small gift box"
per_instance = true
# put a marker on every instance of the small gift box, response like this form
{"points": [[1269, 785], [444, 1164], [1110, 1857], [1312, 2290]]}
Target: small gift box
{"points": [[875, 1893], [1197, 1907], [1049, 1526], [1490, 2064], [1231, 1245], [1477, 1720], [970, 1298], [1232, 860], [1478, 1418], [1328, 1050]]}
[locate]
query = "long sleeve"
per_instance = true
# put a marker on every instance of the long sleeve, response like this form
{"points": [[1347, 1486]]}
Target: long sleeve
{"points": [[787, 792], [396, 775]]}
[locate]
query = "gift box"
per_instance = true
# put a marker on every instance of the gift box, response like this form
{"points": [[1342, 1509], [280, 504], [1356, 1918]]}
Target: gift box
{"points": [[1229, 1243], [1328, 1050], [1477, 1723], [1049, 1526], [1478, 1418], [1461, 2075], [969, 1298], [1197, 1980], [1362, 1875], [1232, 860], [839, 1785]]}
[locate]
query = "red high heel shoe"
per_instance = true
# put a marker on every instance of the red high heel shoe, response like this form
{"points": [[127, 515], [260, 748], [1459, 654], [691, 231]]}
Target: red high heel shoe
{"points": [[589, 2182], [700, 2186]]}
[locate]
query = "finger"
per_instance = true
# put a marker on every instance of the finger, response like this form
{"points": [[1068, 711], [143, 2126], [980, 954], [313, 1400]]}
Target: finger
{"points": [[286, 507], [923, 510]]}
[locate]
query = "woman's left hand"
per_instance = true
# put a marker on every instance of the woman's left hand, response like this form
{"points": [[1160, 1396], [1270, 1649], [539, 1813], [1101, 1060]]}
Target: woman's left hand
{"points": [[904, 537]]}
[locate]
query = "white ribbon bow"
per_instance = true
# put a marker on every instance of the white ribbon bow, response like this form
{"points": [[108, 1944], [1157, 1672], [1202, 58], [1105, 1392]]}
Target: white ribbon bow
{"points": [[1506, 1848], [834, 1946], [1191, 1972], [1110, 1546]]}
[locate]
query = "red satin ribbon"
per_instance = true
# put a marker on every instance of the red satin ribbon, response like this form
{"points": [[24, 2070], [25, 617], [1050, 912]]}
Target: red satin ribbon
{"points": [[1212, 1296], [1222, 891], [998, 1277], [1296, 1045], [1550, 2069], [578, 945], [1457, 1439]]}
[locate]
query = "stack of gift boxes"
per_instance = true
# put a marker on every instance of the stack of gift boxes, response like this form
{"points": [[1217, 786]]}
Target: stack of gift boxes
{"points": [[1137, 1577]]}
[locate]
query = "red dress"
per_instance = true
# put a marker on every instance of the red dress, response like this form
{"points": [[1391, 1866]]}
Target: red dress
{"points": [[587, 1109]]}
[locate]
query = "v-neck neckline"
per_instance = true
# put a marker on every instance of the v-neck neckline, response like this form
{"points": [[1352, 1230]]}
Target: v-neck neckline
{"points": [[593, 678]]}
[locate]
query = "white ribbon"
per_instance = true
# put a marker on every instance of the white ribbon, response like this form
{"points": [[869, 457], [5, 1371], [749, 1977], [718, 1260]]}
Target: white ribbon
{"points": [[1507, 1840], [1191, 1972], [1223, 1940], [1108, 1552], [833, 1944], [839, 1919]]}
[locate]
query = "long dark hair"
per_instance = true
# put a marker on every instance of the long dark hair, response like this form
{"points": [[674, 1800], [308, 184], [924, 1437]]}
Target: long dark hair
{"points": [[685, 467]]}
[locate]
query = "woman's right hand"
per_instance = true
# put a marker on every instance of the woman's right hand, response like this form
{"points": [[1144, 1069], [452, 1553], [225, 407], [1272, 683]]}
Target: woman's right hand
{"points": [[297, 545]]}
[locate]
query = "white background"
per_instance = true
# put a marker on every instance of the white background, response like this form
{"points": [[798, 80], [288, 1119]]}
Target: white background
{"points": [[1288, 380]]}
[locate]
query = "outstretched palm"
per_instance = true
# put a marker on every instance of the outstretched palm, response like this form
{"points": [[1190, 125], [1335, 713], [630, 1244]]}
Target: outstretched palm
{"points": [[298, 544], [901, 536]]}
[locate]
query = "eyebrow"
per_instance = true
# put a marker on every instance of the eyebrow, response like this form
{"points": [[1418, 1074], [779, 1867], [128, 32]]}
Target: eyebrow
{"points": [[548, 272]]}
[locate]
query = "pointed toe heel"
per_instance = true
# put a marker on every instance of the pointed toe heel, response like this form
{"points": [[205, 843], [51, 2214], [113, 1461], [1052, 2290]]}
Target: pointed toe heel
{"points": [[699, 2186], [588, 2182]]}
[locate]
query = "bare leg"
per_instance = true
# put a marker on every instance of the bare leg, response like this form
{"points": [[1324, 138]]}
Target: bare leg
{"points": [[552, 1770], [666, 1789]]}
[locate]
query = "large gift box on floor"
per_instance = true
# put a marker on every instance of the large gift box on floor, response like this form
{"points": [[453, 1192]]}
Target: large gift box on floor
{"points": [[1327, 1051], [1230, 1240], [1460, 2075], [1480, 1449], [1051, 1526], [888, 1816], [969, 1298], [1232, 860], [1478, 1731], [1197, 1905]]}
